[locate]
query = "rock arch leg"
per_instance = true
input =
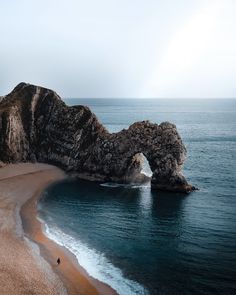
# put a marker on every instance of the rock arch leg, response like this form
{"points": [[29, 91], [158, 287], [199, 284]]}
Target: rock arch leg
{"points": [[167, 176]]}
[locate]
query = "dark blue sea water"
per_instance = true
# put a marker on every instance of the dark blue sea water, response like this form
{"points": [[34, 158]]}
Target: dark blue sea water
{"points": [[143, 242]]}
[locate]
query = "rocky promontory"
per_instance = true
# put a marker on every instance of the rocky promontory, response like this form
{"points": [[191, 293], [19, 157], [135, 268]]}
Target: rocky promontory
{"points": [[37, 126]]}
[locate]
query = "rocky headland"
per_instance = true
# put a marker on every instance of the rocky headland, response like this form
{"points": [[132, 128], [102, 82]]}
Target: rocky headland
{"points": [[37, 126]]}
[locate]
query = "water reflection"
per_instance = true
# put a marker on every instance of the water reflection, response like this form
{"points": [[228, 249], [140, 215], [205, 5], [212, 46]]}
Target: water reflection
{"points": [[145, 201]]}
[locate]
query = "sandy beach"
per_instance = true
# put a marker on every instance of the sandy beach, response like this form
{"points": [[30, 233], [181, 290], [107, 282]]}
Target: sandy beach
{"points": [[27, 257]]}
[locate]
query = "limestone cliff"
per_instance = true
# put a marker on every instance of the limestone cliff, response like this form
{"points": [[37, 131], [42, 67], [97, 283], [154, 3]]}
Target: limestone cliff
{"points": [[36, 125]]}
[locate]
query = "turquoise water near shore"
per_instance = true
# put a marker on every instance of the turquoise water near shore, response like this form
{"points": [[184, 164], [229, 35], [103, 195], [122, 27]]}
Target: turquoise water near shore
{"points": [[145, 242]]}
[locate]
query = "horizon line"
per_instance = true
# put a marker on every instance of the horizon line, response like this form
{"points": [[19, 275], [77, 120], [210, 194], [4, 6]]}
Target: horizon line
{"points": [[185, 98]]}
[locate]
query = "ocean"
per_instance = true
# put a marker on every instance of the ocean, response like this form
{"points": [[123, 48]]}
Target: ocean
{"points": [[149, 242]]}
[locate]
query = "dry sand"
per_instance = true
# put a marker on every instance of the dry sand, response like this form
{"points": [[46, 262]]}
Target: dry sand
{"points": [[27, 267]]}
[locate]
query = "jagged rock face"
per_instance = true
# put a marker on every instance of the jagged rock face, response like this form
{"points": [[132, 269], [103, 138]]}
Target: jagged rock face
{"points": [[36, 125]]}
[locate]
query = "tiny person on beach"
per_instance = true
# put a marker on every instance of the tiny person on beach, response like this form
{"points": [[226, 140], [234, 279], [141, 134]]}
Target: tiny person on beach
{"points": [[58, 260]]}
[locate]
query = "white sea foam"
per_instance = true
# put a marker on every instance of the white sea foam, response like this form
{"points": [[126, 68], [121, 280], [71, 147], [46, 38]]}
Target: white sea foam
{"points": [[125, 185], [95, 263]]}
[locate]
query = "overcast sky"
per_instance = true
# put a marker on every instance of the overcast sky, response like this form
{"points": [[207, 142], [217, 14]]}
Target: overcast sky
{"points": [[120, 48]]}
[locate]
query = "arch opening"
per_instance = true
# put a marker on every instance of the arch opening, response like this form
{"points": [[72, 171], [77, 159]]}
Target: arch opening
{"points": [[139, 170], [146, 170]]}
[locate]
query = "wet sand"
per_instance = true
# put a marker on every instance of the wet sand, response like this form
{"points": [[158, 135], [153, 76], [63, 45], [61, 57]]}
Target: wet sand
{"points": [[27, 257]]}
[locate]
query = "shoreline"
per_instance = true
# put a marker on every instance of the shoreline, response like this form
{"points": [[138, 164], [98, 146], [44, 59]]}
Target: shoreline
{"points": [[74, 277], [69, 273]]}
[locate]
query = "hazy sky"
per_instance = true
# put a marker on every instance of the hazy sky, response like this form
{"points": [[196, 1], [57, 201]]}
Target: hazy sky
{"points": [[120, 48]]}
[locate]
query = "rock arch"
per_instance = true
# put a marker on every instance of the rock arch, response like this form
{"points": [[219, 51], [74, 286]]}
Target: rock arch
{"points": [[162, 146], [36, 125]]}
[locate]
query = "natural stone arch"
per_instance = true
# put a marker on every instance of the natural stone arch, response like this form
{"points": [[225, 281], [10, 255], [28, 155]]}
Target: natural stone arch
{"points": [[160, 144], [36, 125]]}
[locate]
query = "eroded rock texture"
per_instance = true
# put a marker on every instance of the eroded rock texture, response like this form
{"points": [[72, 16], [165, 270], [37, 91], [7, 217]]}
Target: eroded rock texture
{"points": [[36, 125]]}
